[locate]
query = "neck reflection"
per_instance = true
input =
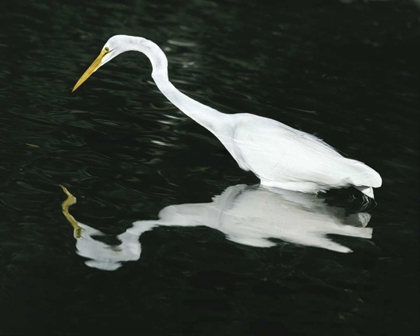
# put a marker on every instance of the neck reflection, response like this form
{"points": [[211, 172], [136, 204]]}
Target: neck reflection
{"points": [[248, 215]]}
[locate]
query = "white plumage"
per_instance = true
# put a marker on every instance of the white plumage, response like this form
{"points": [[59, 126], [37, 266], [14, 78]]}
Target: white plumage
{"points": [[277, 154]]}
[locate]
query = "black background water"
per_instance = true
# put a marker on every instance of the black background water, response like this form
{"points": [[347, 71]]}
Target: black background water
{"points": [[346, 71]]}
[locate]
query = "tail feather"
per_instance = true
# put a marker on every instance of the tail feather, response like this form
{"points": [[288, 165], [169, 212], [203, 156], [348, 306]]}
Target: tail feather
{"points": [[365, 177], [368, 191], [367, 195]]}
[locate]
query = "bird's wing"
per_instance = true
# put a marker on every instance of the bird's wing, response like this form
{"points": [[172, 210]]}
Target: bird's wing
{"points": [[277, 152]]}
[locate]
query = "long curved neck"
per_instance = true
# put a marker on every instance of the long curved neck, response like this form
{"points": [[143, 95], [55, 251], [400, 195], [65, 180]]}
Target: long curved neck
{"points": [[209, 118]]}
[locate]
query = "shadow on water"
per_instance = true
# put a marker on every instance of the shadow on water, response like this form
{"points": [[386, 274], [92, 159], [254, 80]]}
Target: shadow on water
{"points": [[248, 215]]}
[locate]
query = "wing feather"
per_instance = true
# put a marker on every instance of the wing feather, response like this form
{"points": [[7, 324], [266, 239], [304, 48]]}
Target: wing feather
{"points": [[277, 152]]}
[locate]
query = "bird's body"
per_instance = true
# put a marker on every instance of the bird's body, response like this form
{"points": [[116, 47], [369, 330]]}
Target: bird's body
{"points": [[291, 159], [280, 156]]}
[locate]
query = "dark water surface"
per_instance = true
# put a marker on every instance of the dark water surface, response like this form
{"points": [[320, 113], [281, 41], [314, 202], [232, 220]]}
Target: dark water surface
{"points": [[347, 72]]}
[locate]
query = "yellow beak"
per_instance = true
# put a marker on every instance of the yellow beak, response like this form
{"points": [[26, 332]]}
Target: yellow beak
{"points": [[93, 67]]}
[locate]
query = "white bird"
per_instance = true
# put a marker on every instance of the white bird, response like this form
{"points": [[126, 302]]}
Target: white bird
{"points": [[280, 156]]}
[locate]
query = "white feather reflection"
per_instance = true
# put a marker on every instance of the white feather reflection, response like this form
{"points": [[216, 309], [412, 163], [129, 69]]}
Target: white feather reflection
{"points": [[249, 215]]}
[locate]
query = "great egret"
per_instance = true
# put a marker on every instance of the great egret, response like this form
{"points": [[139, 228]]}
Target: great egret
{"points": [[247, 215], [280, 156]]}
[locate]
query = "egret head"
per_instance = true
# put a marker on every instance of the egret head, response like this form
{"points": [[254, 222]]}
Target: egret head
{"points": [[112, 48]]}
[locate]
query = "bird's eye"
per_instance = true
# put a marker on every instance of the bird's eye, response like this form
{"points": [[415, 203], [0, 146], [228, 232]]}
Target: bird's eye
{"points": [[106, 49]]}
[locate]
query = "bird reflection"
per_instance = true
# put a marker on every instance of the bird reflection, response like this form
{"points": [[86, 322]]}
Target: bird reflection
{"points": [[248, 215]]}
